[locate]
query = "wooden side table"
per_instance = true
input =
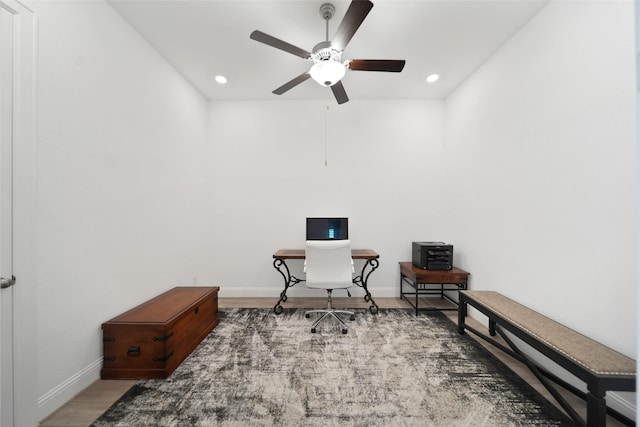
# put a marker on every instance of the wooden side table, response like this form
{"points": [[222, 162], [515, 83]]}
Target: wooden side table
{"points": [[430, 282]]}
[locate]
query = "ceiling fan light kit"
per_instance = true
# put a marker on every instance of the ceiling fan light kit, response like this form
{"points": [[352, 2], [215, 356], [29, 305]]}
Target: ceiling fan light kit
{"points": [[328, 72], [328, 68]]}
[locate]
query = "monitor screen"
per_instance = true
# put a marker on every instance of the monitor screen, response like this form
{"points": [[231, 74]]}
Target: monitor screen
{"points": [[327, 228]]}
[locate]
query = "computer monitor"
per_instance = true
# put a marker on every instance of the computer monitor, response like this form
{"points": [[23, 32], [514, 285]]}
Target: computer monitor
{"points": [[327, 228]]}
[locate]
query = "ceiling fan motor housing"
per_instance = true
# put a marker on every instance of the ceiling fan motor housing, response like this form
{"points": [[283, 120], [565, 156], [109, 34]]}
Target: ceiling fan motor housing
{"points": [[323, 51]]}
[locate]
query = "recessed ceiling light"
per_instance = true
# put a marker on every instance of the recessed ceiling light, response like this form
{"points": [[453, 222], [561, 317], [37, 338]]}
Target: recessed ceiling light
{"points": [[432, 78], [221, 79]]}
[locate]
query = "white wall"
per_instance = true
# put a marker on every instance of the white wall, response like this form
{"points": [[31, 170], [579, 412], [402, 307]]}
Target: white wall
{"points": [[121, 179], [267, 174], [543, 195]]}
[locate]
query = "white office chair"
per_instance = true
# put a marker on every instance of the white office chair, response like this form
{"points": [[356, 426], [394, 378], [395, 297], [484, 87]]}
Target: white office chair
{"points": [[329, 266]]}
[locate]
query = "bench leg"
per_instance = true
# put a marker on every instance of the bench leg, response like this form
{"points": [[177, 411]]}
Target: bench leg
{"points": [[596, 408], [492, 328], [462, 313]]}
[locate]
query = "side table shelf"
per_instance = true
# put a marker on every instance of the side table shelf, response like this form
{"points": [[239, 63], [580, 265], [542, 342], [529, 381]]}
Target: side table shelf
{"points": [[430, 282]]}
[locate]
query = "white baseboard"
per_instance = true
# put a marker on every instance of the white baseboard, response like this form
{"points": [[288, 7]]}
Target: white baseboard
{"points": [[617, 402], [52, 400], [298, 291]]}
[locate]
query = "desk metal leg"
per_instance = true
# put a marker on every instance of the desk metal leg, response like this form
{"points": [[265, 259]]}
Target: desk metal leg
{"points": [[289, 281], [361, 281]]}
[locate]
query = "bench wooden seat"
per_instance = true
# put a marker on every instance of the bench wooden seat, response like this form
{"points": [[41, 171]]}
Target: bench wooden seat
{"points": [[600, 367]]}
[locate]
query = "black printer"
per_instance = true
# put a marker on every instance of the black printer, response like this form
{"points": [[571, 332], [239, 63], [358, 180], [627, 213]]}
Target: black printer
{"points": [[432, 255]]}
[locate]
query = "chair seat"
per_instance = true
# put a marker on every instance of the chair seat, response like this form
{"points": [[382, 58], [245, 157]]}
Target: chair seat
{"points": [[328, 285]]}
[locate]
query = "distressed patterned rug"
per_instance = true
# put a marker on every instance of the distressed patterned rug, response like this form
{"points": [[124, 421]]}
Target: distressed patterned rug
{"points": [[391, 369]]}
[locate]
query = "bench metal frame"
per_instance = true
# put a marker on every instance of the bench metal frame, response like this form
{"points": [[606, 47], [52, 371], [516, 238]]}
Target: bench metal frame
{"points": [[597, 384]]}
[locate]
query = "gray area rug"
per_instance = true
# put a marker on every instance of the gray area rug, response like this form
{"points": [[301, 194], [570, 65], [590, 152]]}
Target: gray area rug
{"points": [[392, 369]]}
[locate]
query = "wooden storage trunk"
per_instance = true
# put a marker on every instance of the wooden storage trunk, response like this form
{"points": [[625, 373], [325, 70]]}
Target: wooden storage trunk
{"points": [[152, 339]]}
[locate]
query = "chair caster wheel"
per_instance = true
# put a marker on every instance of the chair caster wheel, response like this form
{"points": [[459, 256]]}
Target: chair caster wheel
{"points": [[353, 317], [307, 315], [313, 330], [344, 331]]}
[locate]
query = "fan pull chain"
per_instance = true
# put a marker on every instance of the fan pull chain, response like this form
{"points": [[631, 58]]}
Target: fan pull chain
{"points": [[326, 113]]}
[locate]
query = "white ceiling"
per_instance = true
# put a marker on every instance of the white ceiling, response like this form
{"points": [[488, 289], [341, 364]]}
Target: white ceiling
{"points": [[203, 38]]}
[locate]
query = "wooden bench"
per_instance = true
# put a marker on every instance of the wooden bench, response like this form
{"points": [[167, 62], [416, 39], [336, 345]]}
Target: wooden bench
{"points": [[600, 367]]}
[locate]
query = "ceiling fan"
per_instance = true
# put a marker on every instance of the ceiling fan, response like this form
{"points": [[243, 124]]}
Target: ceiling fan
{"points": [[328, 68]]}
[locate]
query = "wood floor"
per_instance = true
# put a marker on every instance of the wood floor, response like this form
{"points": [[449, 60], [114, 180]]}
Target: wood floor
{"points": [[93, 401]]}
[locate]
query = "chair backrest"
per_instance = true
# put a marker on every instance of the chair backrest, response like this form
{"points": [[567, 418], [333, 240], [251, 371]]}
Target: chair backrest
{"points": [[328, 264]]}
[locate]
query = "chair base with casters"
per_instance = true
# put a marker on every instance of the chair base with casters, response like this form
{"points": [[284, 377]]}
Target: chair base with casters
{"points": [[330, 312]]}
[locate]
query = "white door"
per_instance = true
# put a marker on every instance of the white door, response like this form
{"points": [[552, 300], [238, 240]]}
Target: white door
{"points": [[6, 217], [18, 384]]}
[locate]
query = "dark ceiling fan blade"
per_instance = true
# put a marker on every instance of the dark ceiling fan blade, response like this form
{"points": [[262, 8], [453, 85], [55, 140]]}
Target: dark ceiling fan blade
{"points": [[292, 83], [391, 65], [339, 93], [357, 11], [279, 44]]}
